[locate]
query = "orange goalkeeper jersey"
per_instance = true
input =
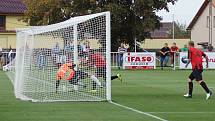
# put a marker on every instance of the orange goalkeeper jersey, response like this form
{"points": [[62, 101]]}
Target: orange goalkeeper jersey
{"points": [[62, 71]]}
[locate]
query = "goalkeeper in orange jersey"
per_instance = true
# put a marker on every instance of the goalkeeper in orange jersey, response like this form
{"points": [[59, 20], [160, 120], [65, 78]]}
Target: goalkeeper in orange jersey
{"points": [[61, 73], [74, 76]]}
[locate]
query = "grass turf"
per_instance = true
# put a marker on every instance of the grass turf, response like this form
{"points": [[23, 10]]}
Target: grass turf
{"points": [[155, 91]]}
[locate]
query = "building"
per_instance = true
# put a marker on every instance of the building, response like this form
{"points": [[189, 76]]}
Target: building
{"points": [[11, 11], [161, 36], [163, 32], [200, 25]]}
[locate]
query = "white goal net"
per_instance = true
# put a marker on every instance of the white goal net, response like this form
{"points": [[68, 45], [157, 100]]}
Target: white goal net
{"points": [[67, 61]]}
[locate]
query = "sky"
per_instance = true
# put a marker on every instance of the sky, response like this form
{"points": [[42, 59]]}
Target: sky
{"points": [[183, 10]]}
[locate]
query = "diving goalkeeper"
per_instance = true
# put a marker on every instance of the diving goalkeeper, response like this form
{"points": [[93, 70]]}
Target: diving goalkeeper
{"points": [[74, 76]]}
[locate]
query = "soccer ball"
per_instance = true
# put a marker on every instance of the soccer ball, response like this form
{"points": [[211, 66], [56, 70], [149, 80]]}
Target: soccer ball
{"points": [[184, 59]]}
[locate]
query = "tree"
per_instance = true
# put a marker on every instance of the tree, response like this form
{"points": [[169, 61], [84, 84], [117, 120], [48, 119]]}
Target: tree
{"points": [[130, 19], [180, 31]]}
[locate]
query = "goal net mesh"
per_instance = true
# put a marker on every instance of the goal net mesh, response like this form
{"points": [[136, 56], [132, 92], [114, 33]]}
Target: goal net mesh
{"points": [[67, 61]]}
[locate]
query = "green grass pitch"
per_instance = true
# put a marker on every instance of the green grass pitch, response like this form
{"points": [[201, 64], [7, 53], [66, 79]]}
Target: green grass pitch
{"points": [[156, 92]]}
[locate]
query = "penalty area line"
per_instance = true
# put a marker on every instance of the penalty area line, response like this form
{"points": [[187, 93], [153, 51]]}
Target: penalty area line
{"points": [[137, 111]]}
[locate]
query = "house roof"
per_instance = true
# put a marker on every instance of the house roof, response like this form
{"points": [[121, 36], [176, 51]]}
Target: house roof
{"points": [[199, 13], [12, 7], [163, 32]]}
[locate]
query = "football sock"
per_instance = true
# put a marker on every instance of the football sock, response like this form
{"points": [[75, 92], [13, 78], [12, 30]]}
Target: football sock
{"points": [[57, 84], [75, 87], [96, 80], [190, 88], [203, 84], [114, 77], [81, 84], [94, 86]]}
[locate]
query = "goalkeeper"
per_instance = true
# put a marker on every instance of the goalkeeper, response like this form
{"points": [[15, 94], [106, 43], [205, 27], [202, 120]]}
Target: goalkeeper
{"points": [[74, 76]]}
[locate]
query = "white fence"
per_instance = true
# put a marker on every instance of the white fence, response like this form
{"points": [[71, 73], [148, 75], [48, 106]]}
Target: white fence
{"points": [[115, 60]]}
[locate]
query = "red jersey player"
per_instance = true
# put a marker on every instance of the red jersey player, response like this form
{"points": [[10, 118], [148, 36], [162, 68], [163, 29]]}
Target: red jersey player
{"points": [[173, 50], [99, 62], [195, 57]]}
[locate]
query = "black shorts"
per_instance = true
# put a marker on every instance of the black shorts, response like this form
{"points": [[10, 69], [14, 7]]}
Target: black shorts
{"points": [[78, 75], [196, 74], [101, 72], [81, 74]]}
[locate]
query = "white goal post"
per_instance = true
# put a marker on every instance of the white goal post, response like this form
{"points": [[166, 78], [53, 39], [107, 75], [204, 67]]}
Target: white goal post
{"points": [[67, 61]]}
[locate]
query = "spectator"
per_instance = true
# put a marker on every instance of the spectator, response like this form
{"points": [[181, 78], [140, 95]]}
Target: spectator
{"points": [[184, 49], [56, 49], [0, 51], [41, 59], [68, 48], [164, 55], [10, 55], [56, 53], [1, 60], [210, 48], [63, 58], [121, 51], [174, 50], [85, 46]]}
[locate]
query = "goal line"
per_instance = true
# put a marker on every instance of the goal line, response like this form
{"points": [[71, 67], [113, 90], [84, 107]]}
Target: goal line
{"points": [[181, 112], [137, 111]]}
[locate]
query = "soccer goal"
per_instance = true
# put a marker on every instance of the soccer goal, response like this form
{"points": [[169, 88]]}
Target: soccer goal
{"points": [[67, 61]]}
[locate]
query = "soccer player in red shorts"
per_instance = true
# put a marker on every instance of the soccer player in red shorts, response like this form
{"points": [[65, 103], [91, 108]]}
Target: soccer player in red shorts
{"points": [[195, 57], [173, 51]]}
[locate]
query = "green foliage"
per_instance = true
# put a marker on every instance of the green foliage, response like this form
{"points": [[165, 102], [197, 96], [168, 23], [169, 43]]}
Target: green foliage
{"points": [[130, 20]]}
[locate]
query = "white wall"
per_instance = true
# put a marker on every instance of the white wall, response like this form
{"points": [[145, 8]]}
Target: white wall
{"points": [[200, 31], [159, 43]]}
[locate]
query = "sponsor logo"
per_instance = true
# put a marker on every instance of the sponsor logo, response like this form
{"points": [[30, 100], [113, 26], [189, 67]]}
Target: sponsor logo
{"points": [[140, 59], [211, 60]]}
